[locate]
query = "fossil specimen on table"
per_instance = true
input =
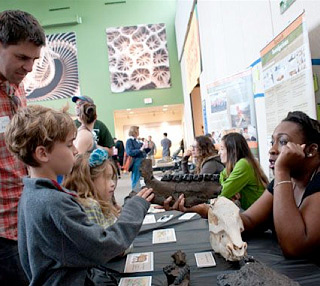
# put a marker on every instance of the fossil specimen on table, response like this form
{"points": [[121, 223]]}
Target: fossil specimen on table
{"points": [[225, 226], [255, 273], [197, 189], [178, 273]]}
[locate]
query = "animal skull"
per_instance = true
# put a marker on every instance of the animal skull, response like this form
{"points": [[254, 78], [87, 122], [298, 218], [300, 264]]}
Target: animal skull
{"points": [[225, 226]]}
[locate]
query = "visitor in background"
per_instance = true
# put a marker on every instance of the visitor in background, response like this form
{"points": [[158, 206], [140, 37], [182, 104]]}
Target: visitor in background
{"points": [[120, 147], [85, 140], [206, 157], [166, 144], [153, 150], [136, 150], [104, 138]]}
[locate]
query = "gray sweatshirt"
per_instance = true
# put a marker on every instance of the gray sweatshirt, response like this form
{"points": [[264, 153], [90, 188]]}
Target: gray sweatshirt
{"points": [[57, 243]]}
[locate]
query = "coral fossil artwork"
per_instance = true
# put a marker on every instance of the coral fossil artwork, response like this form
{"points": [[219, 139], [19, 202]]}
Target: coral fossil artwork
{"points": [[138, 57], [55, 73]]}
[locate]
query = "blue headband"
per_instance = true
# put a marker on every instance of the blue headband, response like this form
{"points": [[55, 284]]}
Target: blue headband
{"points": [[97, 157]]}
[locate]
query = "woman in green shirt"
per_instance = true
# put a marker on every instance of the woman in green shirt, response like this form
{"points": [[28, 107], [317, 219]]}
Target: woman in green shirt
{"points": [[242, 179]]}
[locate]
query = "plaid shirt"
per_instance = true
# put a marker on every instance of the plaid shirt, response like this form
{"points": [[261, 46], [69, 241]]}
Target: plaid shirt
{"points": [[11, 169]]}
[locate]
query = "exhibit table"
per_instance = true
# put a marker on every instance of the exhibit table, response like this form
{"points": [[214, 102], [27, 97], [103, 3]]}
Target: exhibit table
{"points": [[192, 236]]}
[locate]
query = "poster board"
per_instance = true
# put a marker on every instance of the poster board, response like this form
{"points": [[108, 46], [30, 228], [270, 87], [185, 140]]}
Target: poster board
{"points": [[230, 108], [287, 74]]}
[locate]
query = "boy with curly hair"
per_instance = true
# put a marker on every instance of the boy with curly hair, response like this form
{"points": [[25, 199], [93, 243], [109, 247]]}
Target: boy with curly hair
{"points": [[57, 243]]}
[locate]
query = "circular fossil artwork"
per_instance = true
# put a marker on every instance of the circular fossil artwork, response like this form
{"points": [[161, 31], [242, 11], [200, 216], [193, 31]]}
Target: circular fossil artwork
{"points": [[55, 73], [138, 57]]}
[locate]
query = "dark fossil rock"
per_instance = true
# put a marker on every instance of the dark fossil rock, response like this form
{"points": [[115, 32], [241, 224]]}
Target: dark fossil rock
{"points": [[178, 273], [255, 273], [197, 189]]}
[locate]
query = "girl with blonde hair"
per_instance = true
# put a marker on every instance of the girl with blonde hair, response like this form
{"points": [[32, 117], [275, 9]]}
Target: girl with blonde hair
{"points": [[94, 178]]}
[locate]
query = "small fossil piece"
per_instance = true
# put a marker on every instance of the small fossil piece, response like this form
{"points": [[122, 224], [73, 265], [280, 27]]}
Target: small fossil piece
{"points": [[178, 273]]}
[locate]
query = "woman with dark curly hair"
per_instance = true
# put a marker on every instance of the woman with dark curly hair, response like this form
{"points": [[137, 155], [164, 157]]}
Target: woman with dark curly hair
{"points": [[206, 156], [290, 205]]}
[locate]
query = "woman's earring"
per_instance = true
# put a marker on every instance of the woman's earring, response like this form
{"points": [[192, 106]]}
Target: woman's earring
{"points": [[310, 155]]}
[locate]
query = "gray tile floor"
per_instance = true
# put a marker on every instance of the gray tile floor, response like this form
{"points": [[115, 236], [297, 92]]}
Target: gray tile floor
{"points": [[123, 188]]}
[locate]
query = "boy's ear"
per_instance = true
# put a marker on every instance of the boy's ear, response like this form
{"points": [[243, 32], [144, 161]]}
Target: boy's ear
{"points": [[41, 154]]}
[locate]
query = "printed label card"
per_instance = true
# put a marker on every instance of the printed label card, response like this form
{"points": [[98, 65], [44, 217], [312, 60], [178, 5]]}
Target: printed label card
{"points": [[136, 281], [139, 262], [149, 219], [164, 236], [153, 209], [205, 259], [187, 216], [165, 218]]}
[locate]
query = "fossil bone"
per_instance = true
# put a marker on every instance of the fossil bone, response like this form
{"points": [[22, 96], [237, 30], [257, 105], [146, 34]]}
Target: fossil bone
{"points": [[255, 273], [196, 189], [225, 226], [178, 273]]}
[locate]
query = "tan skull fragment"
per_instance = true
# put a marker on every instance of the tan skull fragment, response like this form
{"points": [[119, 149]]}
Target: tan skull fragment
{"points": [[225, 226]]}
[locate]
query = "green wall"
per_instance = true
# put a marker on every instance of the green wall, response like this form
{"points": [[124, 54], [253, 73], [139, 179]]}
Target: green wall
{"points": [[92, 49]]}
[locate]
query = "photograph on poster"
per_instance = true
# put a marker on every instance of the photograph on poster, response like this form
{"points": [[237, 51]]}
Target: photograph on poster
{"points": [[138, 57], [55, 73], [218, 102], [240, 115], [231, 107]]}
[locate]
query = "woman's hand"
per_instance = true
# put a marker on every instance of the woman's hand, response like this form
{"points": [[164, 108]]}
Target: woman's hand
{"points": [[179, 205], [146, 194], [166, 203], [201, 209], [291, 155]]}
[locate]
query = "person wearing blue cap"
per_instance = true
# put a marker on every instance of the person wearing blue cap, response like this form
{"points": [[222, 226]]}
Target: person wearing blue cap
{"points": [[104, 138]]}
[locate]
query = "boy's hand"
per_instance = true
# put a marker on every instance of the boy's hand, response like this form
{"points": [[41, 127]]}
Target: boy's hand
{"points": [[146, 194]]}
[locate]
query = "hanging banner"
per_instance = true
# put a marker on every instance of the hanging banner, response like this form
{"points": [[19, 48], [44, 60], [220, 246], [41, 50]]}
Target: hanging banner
{"points": [[192, 53], [55, 73], [230, 107], [287, 74]]}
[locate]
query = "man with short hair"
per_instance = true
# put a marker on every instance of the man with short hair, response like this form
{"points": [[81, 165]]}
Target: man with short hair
{"points": [[153, 150], [166, 144], [21, 40], [104, 138]]}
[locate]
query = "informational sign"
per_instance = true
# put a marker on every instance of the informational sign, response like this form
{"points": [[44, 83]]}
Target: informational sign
{"points": [[287, 74], [192, 53], [230, 107]]}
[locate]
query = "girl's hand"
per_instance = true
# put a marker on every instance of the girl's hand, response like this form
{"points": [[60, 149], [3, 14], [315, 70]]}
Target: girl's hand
{"points": [[146, 194], [291, 155]]}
